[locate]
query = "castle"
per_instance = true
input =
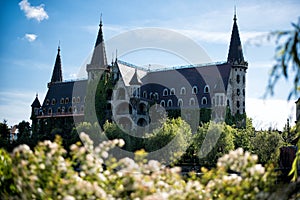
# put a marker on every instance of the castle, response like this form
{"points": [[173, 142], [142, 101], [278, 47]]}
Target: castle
{"points": [[133, 92]]}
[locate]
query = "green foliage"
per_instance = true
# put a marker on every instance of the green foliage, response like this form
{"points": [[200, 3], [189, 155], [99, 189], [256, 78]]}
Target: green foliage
{"points": [[47, 173], [287, 59], [296, 162], [4, 134], [174, 136], [266, 145], [132, 143], [217, 137], [237, 120], [205, 115]]}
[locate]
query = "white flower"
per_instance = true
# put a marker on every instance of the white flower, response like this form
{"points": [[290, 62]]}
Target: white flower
{"points": [[69, 198]]}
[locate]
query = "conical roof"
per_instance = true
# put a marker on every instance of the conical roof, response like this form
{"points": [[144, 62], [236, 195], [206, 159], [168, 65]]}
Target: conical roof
{"points": [[57, 70], [235, 54], [135, 80], [36, 103]]}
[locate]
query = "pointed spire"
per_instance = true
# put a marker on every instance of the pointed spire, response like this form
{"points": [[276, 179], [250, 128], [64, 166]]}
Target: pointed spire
{"points": [[100, 33], [57, 71], [235, 54], [135, 80], [98, 61], [36, 103]]}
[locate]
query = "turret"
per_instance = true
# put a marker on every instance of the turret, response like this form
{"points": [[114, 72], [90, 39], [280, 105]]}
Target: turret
{"points": [[135, 85], [236, 91], [57, 70], [98, 62]]}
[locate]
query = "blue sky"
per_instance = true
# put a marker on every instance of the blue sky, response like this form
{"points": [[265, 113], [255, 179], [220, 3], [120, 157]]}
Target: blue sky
{"points": [[32, 29]]}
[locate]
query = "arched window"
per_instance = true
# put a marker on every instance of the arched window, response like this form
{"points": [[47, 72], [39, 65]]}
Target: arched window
{"points": [[73, 100], [156, 96], [165, 92], [74, 109], [151, 95], [172, 91], [81, 109], [67, 100], [206, 89], [238, 92], [204, 101], [194, 90], [78, 100], [70, 109], [162, 103], [182, 91], [170, 103], [145, 94], [53, 101], [63, 109], [62, 101], [238, 104], [180, 103], [228, 102], [192, 101], [238, 78], [47, 102], [58, 110], [50, 111]]}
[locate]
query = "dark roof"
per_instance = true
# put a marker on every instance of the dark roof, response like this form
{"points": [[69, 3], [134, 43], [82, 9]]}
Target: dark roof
{"points": [[100, 34], [98, 61], [65, 90], [57, 72], [235, 54], [135, 80], [215, 76], [36, 103]]}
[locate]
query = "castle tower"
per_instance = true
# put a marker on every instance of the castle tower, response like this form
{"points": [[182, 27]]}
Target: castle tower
{"points": [[135, 85], [35, 107], [57, 70], [237, 84], [98, 62]]}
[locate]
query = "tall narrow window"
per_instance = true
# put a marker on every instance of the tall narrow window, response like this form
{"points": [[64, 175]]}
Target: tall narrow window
{"points": [[238, 79], [144, 94], [162, 103], [238, 92], [194, 90], [170, 103], [192, 102], [182, 91], [206, 89], [172, 91], [165, 92], [180, 103], [204, 101], [238, 104]]}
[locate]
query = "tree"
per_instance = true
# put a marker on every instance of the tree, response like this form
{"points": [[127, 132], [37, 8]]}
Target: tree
{"points": [[218, 138], [287, 57], [169, 141], [266, 146], [4, 134]]}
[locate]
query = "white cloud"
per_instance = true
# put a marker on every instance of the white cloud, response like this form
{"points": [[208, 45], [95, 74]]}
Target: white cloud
{"points": [[33, 12], [270, 113], [30, 37]]}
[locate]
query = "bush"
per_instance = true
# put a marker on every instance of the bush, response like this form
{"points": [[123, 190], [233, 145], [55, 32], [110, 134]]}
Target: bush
{"points": [[90, 173]]}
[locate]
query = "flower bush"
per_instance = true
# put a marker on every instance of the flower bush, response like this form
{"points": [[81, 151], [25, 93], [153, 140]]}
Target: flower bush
{"points": [[88, 172]]}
